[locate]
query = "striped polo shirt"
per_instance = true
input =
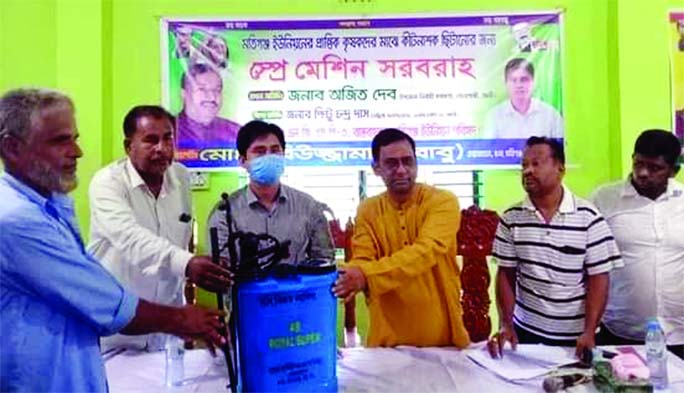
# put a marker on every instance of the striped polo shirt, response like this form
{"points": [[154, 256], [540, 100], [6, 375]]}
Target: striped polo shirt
{"points": [[553, 260]]}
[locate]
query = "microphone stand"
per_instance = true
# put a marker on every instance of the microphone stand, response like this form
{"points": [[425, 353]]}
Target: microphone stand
{"points": [[231, 355], [277, 251], [228, 347]]}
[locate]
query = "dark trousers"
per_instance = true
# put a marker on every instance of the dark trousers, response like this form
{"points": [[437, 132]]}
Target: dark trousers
{"points": [[527, 337], [606, 337]]}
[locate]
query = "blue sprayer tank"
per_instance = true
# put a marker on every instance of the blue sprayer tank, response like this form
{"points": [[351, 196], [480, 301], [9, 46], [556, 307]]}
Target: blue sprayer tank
{"points": [[286, 333]]}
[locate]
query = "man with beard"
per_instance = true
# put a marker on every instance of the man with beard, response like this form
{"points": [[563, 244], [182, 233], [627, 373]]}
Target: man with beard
{"points": [[56, 300], [554, 252], [521, 115], [198, 123], [646, 214], [404, 254], [141, 220]]}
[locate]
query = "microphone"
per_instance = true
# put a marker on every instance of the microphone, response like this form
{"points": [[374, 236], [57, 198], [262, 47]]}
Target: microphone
{"points": [[557, 383], [223, 204]]}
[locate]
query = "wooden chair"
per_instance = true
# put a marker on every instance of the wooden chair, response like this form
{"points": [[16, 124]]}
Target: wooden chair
{"points": [[475, 240], [189, 289], [342, 239], [349, 307]]}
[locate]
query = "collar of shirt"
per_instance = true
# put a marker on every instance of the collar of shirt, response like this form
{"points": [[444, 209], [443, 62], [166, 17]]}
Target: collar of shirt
{"points": [[673, 190], [219, 133], [190, 124], [57, 205], [534, 107], [184, 121], [410, 201], [252, 198], [567, 204], [169, 183]]}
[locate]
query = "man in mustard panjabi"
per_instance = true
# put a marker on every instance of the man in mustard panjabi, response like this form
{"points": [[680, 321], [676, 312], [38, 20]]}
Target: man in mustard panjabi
{"points": [[404, 254]]}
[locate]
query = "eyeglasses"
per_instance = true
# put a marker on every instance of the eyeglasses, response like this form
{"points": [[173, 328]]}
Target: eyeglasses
{"points": [[392, 164]]}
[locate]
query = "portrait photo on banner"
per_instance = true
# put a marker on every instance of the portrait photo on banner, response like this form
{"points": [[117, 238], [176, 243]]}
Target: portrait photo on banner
{"points": [[203, 56], [676, 45], [529, 106]]}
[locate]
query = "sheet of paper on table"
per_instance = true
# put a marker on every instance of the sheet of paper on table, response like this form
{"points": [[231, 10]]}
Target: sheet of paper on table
{"points": [[526, 362]]}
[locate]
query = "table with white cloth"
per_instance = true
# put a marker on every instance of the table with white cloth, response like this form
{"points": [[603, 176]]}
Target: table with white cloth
{"points": [[401, 369]]}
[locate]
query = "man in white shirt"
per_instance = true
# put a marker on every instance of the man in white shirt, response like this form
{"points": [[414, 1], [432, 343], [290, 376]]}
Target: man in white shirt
{"points": [[521, 115], [141, 219], [646, 214]]}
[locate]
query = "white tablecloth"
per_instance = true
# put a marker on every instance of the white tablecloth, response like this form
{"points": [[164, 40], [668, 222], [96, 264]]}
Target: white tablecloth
{"points": [[403, 369]]}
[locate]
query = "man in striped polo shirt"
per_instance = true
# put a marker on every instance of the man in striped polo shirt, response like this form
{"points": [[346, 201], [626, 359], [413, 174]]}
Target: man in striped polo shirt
{"points": [[554, 252]]}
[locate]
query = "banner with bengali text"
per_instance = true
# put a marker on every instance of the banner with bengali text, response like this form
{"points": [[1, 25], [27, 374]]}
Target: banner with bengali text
{"points": [[676, 34], [470, 89]]}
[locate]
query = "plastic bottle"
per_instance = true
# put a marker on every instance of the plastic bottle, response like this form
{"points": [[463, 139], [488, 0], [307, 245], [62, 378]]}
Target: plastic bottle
{"points": [[656, 354], [174, 361]]}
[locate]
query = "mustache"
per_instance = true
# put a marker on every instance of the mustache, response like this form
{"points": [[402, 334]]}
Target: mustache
{"points": [[50, 179], [162, 160]]}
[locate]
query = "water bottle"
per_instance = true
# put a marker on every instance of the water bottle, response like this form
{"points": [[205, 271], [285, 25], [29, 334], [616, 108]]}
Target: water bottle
{"points": [[656, 354], [174, 361]]}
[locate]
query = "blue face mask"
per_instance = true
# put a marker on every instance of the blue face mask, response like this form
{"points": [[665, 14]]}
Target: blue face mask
{"points": [[266, 169]]}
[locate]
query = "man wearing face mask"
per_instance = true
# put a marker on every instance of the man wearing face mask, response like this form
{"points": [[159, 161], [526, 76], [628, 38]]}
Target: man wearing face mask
{"points": [[141, 220], [266, 205]]}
